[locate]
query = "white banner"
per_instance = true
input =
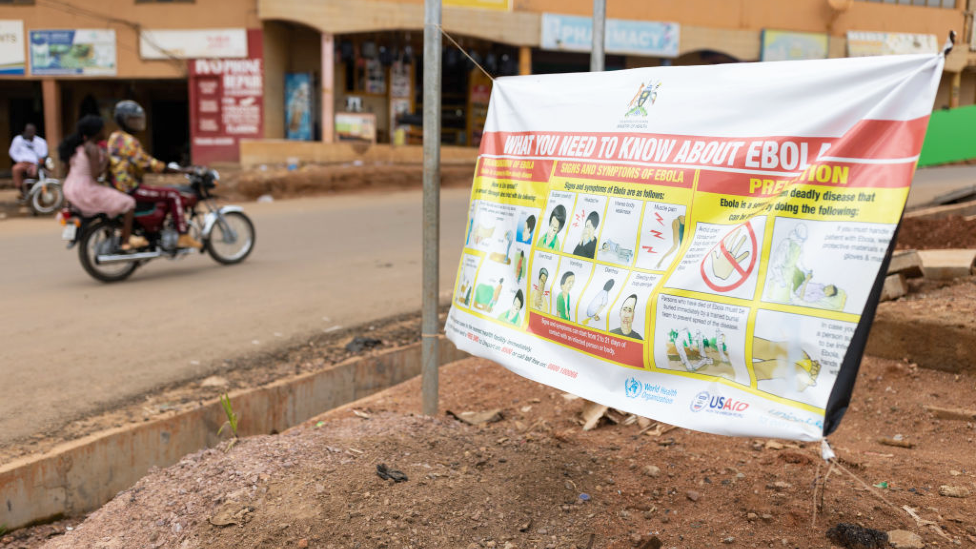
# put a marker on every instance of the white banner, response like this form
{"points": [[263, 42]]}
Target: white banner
{"points": [[193, 44], [699, 245], [12, 57]]}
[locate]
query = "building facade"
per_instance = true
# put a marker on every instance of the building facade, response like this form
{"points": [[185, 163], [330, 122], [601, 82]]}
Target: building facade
{"points": [[213, 72]]}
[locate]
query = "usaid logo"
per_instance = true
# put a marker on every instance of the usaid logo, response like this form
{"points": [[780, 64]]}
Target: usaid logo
{"points": [[718, 404], [700, 401]]}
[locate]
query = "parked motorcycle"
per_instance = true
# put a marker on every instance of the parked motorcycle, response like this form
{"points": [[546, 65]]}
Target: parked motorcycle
{"points": [[226, 232], [43, 194]]}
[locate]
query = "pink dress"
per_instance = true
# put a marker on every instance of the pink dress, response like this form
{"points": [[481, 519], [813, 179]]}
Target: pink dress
{"points": [[86, 195]]}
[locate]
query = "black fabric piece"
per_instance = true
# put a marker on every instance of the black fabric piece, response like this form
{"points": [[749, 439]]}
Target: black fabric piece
{"points": [[840, 395]]}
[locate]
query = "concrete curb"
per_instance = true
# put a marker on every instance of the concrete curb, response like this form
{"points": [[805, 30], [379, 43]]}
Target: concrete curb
{"points": [[82, 475]]}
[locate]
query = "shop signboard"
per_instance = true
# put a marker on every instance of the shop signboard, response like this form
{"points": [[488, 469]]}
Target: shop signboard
{"points": [[786, 46], [12, 47], [81, 52], [700, 245], [862, 43], [193, 44], [622, 36], [499, 5], [298, 106], [355, 126], [226, 103]]}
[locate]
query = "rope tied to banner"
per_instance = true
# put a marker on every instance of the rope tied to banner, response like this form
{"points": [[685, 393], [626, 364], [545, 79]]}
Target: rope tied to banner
{"points": [[462, 50]]}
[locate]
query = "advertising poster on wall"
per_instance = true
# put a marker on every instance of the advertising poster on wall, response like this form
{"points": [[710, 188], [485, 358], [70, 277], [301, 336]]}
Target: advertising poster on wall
{"points": [[226, 103], [863, 43], [81, 52], [637, 245], [298, 106], [193, 44], [789, 46], [12, 47]]}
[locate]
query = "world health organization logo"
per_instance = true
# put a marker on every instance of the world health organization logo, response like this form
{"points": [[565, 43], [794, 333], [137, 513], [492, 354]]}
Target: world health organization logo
{"points": [[632, 387]]}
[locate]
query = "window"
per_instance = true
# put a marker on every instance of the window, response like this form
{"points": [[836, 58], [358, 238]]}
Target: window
{"points": [[949, 4]]}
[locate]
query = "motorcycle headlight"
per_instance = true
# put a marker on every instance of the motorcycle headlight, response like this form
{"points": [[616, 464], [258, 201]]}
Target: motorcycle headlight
{"points": [[49, 163]]}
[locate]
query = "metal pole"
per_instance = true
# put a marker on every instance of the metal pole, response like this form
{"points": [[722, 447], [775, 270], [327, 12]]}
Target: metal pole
{"points": [[597, 62], [432, 181]]}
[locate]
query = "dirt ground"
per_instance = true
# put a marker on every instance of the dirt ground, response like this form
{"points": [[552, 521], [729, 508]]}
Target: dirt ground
{"points": [[928, 234], [322, 179], [315, 353], [535, 479]]}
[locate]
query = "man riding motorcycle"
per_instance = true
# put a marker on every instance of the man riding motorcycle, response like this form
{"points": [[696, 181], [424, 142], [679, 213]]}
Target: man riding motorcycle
{"points": [[27, 151], [128, 161]]}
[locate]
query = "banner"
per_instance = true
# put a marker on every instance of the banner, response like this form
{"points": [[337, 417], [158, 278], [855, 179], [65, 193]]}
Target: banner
{"points": [[861, 43], [193, 44], [788, 46], [226, 103], [82, 52], [701, 245], [12, 47], [621, 36], [298, 106]]}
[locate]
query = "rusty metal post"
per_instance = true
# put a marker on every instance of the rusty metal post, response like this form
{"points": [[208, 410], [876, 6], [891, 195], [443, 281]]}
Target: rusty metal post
{"points": [[432, 181], [597, 60]]}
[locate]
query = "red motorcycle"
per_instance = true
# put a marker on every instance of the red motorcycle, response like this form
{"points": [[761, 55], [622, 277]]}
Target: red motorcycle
{"points": [[226, 233]]}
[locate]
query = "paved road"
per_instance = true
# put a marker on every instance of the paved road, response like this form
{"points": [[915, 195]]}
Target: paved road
{"points": [[72, 346], [932, 182]]}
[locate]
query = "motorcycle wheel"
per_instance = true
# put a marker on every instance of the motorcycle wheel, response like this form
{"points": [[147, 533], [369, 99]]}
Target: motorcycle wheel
{"points": [[98, 238], [222, 249], [46, 202]]}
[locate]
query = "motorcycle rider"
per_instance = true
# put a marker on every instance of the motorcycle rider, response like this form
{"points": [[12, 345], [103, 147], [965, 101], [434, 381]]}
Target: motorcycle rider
{"points": [[128, 161], [27, 150]]}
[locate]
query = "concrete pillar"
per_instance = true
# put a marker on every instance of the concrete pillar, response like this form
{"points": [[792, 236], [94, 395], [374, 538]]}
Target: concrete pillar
{"points": [[954, 93], [328, 93], [525, 60], [51, 94]]}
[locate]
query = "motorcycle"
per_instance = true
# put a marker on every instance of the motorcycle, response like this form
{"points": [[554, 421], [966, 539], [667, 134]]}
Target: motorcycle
{"points": [[43, 194], [226, 233]]}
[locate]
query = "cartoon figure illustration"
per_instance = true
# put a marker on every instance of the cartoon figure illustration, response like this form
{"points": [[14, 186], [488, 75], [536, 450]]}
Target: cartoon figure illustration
{"points": [[557, 220], [486, 296], [562, 300], [587, 246], [772, 360], [464, 293], [697, 353], [791, 282], [598, 303], [626, 328], [520, 266], [677, 237], [623, 254], [526, 229], [504, 258], [540, 295], [512, 315]]}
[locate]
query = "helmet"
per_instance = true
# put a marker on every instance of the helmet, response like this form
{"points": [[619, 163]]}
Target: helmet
{"points": [[130, 116]]}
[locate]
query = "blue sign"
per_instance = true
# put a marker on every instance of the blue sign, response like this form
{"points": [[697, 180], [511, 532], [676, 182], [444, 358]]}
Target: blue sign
{"points": [[72, 51], [622, 36], [298, 106]]}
